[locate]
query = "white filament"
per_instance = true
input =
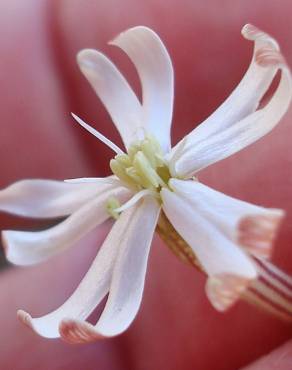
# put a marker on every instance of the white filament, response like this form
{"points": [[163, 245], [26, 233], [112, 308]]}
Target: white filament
{"points": [[98, 135]]}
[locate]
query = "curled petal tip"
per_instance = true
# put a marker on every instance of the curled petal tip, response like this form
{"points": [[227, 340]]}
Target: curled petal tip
{"points": [[86, 59], [224, 290], [133, 30], [253, 33], [25, 318], [114, 40], [81, 55], [257, 233], [249, 31], [74, 332]]}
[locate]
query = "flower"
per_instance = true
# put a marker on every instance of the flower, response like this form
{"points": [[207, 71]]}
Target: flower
{"points": [[148, 179]]}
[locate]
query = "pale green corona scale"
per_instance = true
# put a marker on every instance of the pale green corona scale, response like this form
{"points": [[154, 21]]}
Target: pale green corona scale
{"points": [[143, 167]]}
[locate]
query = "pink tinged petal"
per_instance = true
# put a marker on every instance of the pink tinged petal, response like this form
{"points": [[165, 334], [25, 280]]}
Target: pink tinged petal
{"points": [[155, 70], [224, 290], [115, 93], [92, 289], [75, 331], [252, 227], [236, 124], [48, 198], [258, 232], [223, 260], [27, 248], [249, 91], [127, 282]]}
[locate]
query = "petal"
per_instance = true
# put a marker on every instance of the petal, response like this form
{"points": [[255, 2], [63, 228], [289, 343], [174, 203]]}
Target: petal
{"points": [[235, 125], [114, 92], [92, 289], [154, 67], [225, 289], [127, 282], [252, 227], [247, 95], [222, 259], [48, 198], [26, 248]]}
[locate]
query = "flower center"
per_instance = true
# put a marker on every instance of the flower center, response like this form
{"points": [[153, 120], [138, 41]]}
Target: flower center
{"points": [[143, 167]]}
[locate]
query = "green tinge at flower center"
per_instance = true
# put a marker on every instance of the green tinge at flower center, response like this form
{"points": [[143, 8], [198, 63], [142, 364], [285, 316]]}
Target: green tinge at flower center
{"points": [[143, 167]]}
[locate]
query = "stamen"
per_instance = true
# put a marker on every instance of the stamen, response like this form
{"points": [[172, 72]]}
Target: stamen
{"points": [[143, 167], [124, 160], [141, 164], [130, 171], [98, 135], [112, 205], [152, 150]]}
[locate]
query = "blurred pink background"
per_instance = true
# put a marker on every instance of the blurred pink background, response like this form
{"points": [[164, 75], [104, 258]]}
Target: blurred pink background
{"points": [[176, 327]]}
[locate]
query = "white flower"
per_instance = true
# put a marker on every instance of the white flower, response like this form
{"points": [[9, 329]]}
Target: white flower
{"points": [[223, 232]]}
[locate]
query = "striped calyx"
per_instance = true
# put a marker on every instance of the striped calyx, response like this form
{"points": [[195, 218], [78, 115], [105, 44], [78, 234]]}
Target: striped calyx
{"points": [[270, 292]]}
